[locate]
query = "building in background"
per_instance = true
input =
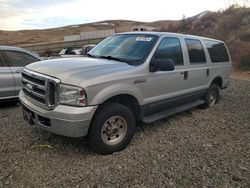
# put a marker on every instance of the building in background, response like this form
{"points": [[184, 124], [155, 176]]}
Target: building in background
{"points": [[90, 35]]}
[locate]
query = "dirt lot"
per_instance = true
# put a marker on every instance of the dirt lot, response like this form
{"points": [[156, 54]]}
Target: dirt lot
{"points": [[198, 148]]}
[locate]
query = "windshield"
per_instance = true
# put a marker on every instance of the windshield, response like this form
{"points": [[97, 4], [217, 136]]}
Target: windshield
{"points": [[130, 48]]}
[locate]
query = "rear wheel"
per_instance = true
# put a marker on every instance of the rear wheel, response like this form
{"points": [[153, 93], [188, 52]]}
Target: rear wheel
{"points": [[112, 128], [212, 96]]}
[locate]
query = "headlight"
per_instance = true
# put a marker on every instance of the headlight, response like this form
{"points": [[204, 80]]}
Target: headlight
{"points": [[72, 95]]}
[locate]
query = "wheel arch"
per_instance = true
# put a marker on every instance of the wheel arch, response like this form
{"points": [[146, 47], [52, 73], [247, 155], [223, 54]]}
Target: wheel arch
{"points": [[217, 81], [127, 100]]}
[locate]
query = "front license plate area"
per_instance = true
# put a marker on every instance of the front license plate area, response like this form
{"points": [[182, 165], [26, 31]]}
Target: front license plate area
{"points": [[28, 116]]}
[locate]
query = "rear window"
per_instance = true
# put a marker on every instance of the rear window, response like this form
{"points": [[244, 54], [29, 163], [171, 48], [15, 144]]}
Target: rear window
{"points": [[195, 51], [217, 51]]}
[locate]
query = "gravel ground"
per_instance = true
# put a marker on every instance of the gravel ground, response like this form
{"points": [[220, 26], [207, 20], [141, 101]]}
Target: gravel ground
{"points": [[197, 148]]}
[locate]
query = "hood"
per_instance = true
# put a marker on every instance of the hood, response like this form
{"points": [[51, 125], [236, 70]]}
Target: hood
{"points": [[74, 70]]}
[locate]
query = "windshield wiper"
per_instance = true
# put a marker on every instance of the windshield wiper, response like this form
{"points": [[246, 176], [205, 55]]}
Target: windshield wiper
{"points": [[89, 55], [113, 58]]}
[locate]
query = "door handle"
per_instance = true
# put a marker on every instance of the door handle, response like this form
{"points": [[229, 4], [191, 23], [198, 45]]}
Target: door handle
{"points": [[208, 72], [185, 73], [17, 71]]}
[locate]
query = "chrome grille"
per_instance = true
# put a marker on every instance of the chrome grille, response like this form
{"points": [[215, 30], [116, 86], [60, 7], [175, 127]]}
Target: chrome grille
{"points": [[40, 88]]}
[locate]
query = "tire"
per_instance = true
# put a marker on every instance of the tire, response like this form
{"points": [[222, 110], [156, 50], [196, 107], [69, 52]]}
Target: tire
{"points": [[212, 96], [111, 129]]}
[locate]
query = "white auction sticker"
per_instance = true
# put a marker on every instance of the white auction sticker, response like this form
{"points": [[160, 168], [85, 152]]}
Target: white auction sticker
{"points": [[145, 39]]}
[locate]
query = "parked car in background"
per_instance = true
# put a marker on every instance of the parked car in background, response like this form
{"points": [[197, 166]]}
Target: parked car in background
{"points": [[12, 59], [87, 48], [70, 52], [76, 52]]}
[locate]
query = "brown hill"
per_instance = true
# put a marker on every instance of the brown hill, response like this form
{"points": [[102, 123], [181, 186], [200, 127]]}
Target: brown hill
{"points": [[231, 26], [57, 34]]}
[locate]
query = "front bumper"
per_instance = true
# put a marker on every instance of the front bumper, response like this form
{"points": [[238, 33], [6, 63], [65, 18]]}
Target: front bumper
{"points": [[63, 120]]}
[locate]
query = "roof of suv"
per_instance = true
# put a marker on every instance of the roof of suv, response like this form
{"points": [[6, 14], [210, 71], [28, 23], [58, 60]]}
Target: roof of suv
{"points": [[168, 33]]}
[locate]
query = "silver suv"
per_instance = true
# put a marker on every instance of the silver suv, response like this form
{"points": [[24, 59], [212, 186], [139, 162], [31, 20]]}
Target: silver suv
{"points": [[128, 77], [12, 59]]}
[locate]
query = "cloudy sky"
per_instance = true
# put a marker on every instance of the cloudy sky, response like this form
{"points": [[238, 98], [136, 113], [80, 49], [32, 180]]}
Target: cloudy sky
{"points": [[34, 14]]}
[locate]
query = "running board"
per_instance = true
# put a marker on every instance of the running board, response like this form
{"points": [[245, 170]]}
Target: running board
{"points": [[171, 111]]}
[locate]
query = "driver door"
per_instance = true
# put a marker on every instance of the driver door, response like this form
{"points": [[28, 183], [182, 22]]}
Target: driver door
{"points": [[165, 89]]}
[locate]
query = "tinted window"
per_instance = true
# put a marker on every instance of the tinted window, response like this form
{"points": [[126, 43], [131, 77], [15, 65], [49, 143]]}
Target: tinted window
{"points": [[19, 59], [2, 63], [195, 51], [170, 48], [217, 51]]}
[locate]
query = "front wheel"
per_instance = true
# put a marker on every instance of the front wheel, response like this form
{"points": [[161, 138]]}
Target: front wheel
{"points": [[112, 128], [212, 96]]}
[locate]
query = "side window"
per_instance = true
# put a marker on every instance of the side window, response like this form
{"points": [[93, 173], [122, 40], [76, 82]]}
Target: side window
{"points": [[170, 48], [195, 51], [217, 51], [2, 63], [19, 59]]}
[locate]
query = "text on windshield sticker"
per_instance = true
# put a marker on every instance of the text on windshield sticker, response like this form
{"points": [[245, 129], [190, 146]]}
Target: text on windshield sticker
{"points": [[145, 39]]}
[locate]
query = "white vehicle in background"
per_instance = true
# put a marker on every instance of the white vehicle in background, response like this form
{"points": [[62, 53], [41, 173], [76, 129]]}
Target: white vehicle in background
{"points": [[87, 48], [76, 52], [70, 52]]}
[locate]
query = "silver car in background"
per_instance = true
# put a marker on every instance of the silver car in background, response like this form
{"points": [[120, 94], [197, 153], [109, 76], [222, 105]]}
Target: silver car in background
{"points": [[12, 59]]}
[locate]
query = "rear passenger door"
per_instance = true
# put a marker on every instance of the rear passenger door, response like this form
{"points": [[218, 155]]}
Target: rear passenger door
{"points": [[7, 86], [198, 70], [17, 60]]}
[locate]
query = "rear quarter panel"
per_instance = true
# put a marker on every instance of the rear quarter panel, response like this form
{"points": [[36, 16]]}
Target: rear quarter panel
{"points": [[222, 70], [219, 69]]}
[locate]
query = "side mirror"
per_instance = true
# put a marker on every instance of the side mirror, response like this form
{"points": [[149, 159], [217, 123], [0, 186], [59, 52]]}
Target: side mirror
{"points": [[161, 65]]}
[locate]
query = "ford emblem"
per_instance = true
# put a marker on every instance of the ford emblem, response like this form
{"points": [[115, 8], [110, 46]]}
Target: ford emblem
{"points": [[29, 87]]}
